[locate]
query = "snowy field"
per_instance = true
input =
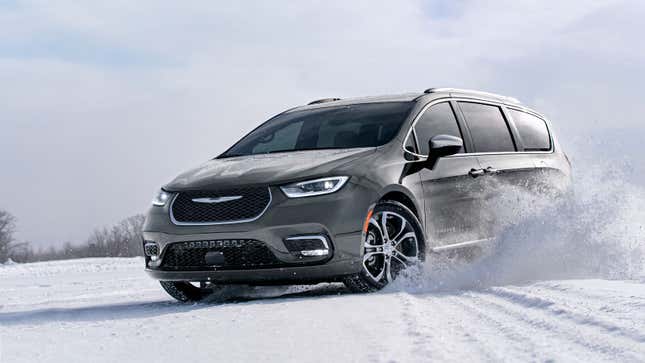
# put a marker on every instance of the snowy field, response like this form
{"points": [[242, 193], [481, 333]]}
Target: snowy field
{"points": [[108, 310]]}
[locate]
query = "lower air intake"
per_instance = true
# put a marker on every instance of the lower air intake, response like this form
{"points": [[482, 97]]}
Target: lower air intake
{"points": [[238, 254]]}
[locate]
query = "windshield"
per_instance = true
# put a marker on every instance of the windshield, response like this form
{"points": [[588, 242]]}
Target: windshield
{"points": [[340, 127]]}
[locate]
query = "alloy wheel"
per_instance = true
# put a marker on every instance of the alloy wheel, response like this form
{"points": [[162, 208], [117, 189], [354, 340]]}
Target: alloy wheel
{"points": [[390, 246]]}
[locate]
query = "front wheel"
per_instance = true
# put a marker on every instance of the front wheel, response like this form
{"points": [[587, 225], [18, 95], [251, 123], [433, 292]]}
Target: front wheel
{"points": [[393, 242]]}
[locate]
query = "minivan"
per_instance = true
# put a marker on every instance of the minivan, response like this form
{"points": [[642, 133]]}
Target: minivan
{"points": [[348, 190]]}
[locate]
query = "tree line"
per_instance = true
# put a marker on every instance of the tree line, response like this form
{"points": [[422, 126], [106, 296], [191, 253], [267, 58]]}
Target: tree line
{"points": [[120, 240]]}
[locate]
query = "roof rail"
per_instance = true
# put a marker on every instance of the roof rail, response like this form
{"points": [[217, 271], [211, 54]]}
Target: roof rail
{"points": [[481, 93], [323, 100]]}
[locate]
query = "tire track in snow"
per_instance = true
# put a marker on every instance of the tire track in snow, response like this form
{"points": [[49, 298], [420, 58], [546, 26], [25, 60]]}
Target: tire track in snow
{"points": [[571, 292], [419, 338], [506, 338], [586, 311], [436, 319], [536, 316]]}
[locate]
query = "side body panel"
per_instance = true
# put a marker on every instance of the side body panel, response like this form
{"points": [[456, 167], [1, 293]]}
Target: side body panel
{"points": [[451, 195], [451, 198]]}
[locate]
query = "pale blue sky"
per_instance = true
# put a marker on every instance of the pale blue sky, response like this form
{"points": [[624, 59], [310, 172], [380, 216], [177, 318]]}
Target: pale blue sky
{"points": [[103, 102]]}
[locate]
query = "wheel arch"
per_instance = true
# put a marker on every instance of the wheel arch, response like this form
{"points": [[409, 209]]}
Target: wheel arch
{"points": [[402, 195]]}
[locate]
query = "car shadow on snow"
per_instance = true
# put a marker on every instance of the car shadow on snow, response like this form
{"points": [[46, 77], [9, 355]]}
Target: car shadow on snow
{"points": [[94, 312], [145, 309]]}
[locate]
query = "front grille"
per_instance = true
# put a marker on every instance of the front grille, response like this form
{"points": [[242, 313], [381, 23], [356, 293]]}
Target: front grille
{"points": [[239, 254], [226, 206]]}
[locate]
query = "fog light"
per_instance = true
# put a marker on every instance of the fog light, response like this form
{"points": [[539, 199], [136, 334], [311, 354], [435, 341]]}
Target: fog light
{"points": [[151, 250], [308, 246]]}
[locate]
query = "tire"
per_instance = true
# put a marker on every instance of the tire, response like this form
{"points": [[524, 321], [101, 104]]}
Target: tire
{"points": [[184, 291], [384, 258]]}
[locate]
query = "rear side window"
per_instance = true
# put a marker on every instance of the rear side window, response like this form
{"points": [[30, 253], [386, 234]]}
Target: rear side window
{"points": [[532, 130], [437, 120], [488, 128]]}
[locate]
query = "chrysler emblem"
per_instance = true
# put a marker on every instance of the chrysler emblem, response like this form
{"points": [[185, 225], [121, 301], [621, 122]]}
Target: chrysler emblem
{"points": [[217, 199]]}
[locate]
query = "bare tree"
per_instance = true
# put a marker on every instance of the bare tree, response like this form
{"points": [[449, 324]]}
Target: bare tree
{"points": [[123, 239], [132, 228], [23, 253], [7, 229]]}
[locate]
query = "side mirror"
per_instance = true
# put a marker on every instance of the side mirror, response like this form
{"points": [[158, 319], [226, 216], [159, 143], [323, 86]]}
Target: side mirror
{"points": [[444, 145]]}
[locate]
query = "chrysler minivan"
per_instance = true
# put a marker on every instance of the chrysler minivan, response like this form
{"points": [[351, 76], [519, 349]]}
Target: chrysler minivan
{"points": [[348, 190]]}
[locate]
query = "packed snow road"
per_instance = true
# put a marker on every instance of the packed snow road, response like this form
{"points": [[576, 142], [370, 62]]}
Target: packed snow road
{"points": [[108, 310]]}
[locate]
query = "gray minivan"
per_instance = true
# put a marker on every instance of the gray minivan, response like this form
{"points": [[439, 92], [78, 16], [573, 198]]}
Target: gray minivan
{"points": [[352, 191]]}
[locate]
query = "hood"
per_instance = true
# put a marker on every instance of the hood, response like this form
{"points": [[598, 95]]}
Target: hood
{"points": [[265, 169]]}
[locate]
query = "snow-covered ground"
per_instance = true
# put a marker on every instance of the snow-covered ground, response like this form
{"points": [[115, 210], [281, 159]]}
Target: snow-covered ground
{"points": [[108, 310], [563, 281]]}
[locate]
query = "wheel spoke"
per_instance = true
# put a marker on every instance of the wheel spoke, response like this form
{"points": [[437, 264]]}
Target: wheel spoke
{"points": [[368, 255], [378, 277], [400, 260], [406, 260], [368, 245], [404, 224], [388, 270], [398, 241], [385, 233]]}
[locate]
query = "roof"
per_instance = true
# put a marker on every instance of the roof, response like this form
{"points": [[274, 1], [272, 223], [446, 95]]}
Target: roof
{"points": [[333, 101], [409, 97]]}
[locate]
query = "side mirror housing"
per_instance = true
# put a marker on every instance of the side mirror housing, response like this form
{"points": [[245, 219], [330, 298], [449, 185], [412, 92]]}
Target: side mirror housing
{"points": [[444, 145], [440, 146]]}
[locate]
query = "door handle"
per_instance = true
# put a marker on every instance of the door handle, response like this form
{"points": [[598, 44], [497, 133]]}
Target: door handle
{"points": [[491, 170], [476, 172]]}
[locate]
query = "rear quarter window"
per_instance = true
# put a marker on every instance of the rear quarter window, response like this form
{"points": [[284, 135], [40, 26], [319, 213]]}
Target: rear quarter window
{"points": [[533, 131]]}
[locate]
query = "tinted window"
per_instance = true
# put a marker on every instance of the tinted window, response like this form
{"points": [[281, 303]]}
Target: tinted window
{"points": [[283, 139], [532, 130], [329, 131], [338, 127], [437, 120], [487, 127]]}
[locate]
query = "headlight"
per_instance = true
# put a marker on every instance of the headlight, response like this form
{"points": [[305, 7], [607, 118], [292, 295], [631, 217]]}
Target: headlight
{"points": [[161, 198], [310, 188]]}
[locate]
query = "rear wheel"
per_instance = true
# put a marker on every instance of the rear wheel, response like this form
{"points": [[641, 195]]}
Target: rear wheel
{"points": [[393, 242], [186, 291]]}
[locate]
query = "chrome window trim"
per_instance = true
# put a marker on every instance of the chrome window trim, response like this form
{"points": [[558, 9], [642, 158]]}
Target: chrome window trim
{"points": [[177, 223], [482, 101]]}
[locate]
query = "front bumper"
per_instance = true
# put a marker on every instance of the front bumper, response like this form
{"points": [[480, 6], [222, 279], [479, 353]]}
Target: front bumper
{"points": [[327, 272], [339, 216]]}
